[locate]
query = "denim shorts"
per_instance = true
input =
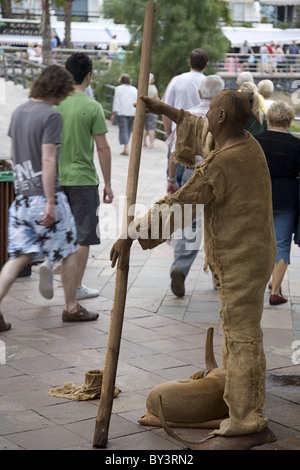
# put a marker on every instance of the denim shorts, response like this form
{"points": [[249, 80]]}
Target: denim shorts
{"points": [[284, 224], [125, 124], [150, 122], [26, 235]]}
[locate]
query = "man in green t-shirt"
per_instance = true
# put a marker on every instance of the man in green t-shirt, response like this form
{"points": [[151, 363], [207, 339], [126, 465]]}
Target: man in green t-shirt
{"points": [[83, 126]]}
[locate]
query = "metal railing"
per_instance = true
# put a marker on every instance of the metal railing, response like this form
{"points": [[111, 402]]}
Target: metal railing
{"points": [[19, 70], [19, 13], [15, 65], [260, 63]]}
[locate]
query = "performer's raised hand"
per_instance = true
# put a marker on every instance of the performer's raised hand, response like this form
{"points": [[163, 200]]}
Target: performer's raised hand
{"points": [[120, 251], [159, 107]]}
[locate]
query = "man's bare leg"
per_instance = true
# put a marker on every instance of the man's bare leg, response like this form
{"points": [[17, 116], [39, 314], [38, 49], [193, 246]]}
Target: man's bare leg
{"points": [[278, 275], [145, 138], [125, 150], [73, 311], [10, 271], [69, 277], [83, 292], [82, 257], [8, 274], [276, 297], [152, 138]]}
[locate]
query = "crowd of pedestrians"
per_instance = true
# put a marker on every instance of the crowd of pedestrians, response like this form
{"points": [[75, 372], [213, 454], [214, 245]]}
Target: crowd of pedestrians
{"points": [[268, 58], [230, 143]]}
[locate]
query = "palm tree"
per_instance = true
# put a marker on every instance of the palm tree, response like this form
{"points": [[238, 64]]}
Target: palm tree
{"points": [[68, 19], [46, 33], [6, 8], [46, 27]]}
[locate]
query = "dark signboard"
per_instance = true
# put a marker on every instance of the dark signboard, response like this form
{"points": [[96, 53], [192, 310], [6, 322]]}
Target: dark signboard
{"points": [[20, 28]]}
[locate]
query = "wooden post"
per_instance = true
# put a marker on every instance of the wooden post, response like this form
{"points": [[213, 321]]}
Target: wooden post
{"points": [[117, 313]]}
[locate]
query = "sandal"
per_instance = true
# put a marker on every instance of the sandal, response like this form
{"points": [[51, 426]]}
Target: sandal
{"points": [[81, 314], [3, 325], [277, 299]]}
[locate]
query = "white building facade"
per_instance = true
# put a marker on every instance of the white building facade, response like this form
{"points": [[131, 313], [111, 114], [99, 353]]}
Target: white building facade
{"points": [[81, 9], [253, 11], [246, 11]]}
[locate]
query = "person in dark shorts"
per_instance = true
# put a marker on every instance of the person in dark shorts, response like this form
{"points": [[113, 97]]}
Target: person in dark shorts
{"points": [[84, 125], [41, 224]]}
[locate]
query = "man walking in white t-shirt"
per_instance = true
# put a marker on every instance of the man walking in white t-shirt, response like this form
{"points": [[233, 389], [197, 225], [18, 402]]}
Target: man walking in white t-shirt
{"points": [[182, 93]]}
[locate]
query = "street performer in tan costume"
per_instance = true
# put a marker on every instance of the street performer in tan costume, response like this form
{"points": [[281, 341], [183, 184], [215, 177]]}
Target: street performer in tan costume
{"points": [[234, 185]]}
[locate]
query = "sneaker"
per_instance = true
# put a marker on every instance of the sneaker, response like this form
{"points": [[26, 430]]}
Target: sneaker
{"points": [[46, 280], [85, 292], [177, 283], [80, 315]]}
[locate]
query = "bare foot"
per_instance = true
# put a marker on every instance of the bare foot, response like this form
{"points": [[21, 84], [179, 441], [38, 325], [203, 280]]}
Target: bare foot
{"points": [[244, 442], [215, 442]]}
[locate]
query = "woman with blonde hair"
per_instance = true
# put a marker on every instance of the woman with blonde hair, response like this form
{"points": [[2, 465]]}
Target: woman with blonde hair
{"points": [[266, 89], [257, 121], [282, 151]]}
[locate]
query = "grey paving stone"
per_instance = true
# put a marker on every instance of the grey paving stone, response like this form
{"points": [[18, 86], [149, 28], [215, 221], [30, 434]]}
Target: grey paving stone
{"points": [[168, 345], [9, 404], [118, 426], [6, 444], [65, 411], [54, 437], [138, 381], [155, 362], [34, 365], [19, 382], [21, 422], [35, 399], [55, 378], [147, 440]]}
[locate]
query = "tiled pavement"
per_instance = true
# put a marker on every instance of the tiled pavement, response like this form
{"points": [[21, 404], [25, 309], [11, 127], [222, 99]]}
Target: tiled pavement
{"points": [[163, 336]]}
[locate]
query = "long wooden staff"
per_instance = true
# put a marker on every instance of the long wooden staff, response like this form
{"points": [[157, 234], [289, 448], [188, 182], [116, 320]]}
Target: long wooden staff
{"points": [[117, 313]]}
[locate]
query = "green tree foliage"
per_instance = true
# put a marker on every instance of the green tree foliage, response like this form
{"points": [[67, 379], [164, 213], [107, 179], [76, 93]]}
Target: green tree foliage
{"points": [[6, 8], [180, 26]]}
